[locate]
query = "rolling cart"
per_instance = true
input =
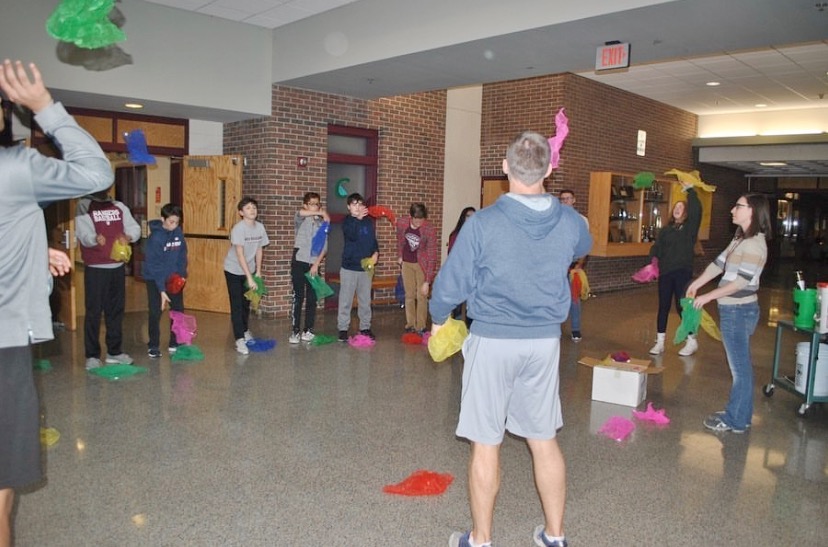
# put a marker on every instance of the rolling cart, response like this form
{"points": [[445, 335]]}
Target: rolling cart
{"points": [[785, 382]]}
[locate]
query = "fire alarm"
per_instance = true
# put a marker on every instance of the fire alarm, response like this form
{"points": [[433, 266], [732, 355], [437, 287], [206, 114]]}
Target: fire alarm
{"points": [[302, 161]]}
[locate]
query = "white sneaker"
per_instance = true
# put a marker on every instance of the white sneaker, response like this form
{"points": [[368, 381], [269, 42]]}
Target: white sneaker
{"points": [[92, 362], [690, 346], [120, 359], [307, 336], [241, 346], [248, 336], [658, 348], [294, 338]]}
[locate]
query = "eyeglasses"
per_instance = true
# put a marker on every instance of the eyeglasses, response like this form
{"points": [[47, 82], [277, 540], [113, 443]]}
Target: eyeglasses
{"points": [[313, 204]]}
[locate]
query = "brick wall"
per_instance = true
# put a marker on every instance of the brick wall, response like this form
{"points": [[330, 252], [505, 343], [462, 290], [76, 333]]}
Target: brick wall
{"points": [[411, 149], [603, 127]]}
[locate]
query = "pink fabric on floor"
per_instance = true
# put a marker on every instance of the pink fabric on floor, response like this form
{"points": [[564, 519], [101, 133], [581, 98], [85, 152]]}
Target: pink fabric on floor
{"points": [[652, 415], [617, 428]]}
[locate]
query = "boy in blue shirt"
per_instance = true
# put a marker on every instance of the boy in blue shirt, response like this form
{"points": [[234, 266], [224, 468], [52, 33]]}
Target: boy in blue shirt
{"points": [[360, 243], [165, 255]]}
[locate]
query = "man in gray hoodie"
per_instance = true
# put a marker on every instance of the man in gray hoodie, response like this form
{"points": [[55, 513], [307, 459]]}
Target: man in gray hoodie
{"points": [[28, 181], [509, 264]]}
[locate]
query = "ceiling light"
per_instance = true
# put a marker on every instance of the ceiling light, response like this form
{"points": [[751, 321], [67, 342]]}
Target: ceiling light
{"points": [[134, 106], [712, 84], [760, 105], [772, 163]]}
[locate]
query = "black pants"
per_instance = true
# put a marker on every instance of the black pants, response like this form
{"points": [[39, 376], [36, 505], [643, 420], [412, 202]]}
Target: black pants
{"points": [[671, 286], [239, 305], [105, 293], [303, 293], [154, 322]]}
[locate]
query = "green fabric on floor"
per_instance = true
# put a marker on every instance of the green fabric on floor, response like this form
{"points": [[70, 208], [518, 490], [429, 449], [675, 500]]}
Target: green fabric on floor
{"points": [[188, 353], [116, 372]]}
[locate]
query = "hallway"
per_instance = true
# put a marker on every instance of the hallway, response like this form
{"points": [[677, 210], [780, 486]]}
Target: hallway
{"points": [[293, 446]]}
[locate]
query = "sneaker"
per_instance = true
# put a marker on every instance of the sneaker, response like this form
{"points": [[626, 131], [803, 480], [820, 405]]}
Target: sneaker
{"points": [[721, 414], [248, 336], [576, 336], [307, 336], [92, 362], [714, 422], [294, 338], [154, 353], [241, 346], [368, 333], [120, 359], [690, 346], [460, 539], [540, 539], [343, 336], [410, 329], [172, 349]]}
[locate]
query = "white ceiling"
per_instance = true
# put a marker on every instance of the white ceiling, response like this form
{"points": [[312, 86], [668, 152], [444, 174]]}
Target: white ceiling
{"points": [[263, 13], [787, 75]]}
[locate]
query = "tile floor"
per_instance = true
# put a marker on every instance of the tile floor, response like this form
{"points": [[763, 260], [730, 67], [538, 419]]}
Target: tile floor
{"points": [[293, 446]]}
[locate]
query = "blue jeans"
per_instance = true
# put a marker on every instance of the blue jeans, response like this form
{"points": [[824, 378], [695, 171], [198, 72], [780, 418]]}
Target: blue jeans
{"points": [[737, 324]]}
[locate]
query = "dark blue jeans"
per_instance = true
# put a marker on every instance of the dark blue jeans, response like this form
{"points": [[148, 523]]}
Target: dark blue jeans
{"points": [[737, 324]]}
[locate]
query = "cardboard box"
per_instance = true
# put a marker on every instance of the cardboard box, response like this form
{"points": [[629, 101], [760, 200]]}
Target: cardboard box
{"points": [[619, 383]]}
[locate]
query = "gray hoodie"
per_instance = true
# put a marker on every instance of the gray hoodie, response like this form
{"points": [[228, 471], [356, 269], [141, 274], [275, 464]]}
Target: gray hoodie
{"points": [[509, 264]]}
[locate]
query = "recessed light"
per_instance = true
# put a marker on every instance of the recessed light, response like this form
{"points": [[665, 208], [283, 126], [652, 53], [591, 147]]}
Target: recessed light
{"points": [[772, 163], [134, 106], [760, 105], [712, 84]]}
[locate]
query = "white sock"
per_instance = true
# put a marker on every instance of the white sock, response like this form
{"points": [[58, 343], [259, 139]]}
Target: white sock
{"points": [[473, 544], [552, 539]]}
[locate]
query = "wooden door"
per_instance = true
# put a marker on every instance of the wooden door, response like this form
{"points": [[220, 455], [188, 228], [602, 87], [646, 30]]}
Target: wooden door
{"points": [[60, 223], [493, 189], [212, 187]]}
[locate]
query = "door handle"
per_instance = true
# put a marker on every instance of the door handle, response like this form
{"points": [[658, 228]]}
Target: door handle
{"points": [[66, 240]]}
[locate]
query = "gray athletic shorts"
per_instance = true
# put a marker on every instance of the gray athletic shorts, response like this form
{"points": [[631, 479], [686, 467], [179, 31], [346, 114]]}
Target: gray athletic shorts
{"points": [[19, 419], [510, 384]]}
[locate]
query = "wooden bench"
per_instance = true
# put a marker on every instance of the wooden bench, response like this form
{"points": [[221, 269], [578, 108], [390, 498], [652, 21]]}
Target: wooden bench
{"points": [[383, 289]]}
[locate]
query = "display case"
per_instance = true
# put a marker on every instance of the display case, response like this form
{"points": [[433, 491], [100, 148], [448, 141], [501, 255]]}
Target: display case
{"points": [[623, 220]]}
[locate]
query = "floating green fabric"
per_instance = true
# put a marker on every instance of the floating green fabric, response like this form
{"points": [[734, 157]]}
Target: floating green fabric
{"points": [[322, 339], [188, 353], [644, 179], [116, 372], [690, 319], [322, 289], [84, 23]]}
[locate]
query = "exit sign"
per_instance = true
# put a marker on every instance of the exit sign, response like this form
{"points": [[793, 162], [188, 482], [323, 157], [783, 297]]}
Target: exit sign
{"points": [[612, 56]]}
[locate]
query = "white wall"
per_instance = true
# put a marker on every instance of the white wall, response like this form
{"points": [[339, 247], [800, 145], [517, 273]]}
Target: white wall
{"points": [[461, 182], [778, 122], [206, 138], [350, 36], [178, 57]]}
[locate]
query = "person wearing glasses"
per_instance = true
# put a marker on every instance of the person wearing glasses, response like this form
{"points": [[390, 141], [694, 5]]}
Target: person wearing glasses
{"points": [[567, 197], [740, 266]]}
